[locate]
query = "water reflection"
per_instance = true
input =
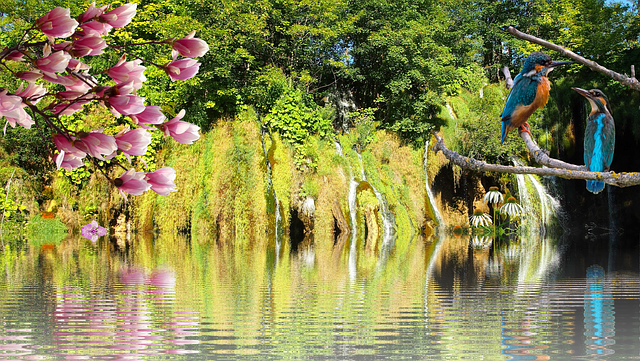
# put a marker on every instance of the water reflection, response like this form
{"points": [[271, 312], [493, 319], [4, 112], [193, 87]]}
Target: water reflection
{"points": [[429, 298]]}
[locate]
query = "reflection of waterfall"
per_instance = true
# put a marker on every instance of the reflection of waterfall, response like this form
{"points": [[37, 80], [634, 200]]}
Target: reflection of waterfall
{"points": [[541, 209], [432, 200], [387, 216], [278, 225]]}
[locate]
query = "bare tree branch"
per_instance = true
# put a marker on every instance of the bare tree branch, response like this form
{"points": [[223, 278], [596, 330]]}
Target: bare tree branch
{"points": [[613, 178], [631, 82], [541, 157]]}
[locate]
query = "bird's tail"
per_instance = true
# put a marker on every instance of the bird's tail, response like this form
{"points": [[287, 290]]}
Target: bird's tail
{"points": [[595, 187], [504, 131]]}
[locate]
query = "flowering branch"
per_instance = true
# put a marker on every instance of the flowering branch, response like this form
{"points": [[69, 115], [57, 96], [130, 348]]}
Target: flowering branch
{"points": [[56, 61]]}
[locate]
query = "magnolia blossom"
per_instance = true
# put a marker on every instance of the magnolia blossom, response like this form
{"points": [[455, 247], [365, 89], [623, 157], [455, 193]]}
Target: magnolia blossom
{"points": [[96, 28], [190, 47], [92, 12], [182, 132], [68, 161], [55, 63], [57, 23], [152, 114], [76, 65], [162, 181], [15, 56], [93, 231], [133, 142], [89, 45], [69, 108], [33, 92], [126, 104], [96, 143], [11, 107], [120, 16], [480, 219], [58, 79], [29, 76], [182, 69], [132, 182], [65, 145], [125, 71], [493, 196]]}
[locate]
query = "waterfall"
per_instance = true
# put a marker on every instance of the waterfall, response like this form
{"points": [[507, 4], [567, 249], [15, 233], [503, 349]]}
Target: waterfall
{"points": [[432, 200], [387, 216], [278, 225], [541, 208]]}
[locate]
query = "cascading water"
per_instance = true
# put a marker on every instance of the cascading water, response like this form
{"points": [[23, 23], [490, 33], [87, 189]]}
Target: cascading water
{"points": [[541, 208], [278, 225], [387, 216], [432, 200], [353, 187]]}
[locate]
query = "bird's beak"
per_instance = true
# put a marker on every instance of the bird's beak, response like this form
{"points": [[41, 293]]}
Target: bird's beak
{"points": [[558, 63], [582, 92]]}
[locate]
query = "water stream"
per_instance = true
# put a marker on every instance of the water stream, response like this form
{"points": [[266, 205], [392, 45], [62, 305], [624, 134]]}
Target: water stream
{"points": [[432, 200], [541, 209], [278, 225]]}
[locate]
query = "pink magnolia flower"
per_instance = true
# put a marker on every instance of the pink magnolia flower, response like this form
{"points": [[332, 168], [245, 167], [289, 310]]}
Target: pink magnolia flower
{"points": [[70, 94], [93, 231], [182, 132], [190, 47], [120, 16], [152, 114], [65, 80], [57, 23], [15, 56], [96, 28], [182, 69], [131, 182], [126, 104], [29, 76], [96, 143], [11, 107], [162, 181], [68, 161], [133, 142], [76, 65], [125, 71], [73, 83], [68, 109], [64, 145], [89, 45], [92, 12], [33, 92], [55, 63]]}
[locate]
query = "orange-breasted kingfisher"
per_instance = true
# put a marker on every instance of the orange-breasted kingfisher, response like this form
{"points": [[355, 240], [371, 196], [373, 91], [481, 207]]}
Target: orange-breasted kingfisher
{"points": [[530, 91], [599, 137]]}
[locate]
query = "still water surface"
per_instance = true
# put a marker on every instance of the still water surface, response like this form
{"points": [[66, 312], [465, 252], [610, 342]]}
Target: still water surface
{"points": [[431, 299]]}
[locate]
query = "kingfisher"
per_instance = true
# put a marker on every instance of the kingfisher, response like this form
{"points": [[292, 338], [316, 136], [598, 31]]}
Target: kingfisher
{"points": [[530, 91], [599, 137]]}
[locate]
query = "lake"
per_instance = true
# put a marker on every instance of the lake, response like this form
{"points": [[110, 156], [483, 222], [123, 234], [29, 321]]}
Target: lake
{"points": [[169, 297]]}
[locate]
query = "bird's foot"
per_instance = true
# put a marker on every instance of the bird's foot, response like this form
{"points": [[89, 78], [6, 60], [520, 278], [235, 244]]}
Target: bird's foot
{"points": [[525, 128]]}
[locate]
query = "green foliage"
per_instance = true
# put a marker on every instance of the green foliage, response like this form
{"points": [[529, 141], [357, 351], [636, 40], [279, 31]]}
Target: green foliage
{"points": [[478, 127], [8, 205], [296, 117], [41, 230]]}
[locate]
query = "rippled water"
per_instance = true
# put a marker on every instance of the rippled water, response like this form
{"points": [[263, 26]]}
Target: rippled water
{"points": [[451, 298]]}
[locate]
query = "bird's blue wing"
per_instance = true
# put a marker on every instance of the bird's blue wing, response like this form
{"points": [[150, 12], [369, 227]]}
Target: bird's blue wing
{"points": [[609, 141], [523, 92]]}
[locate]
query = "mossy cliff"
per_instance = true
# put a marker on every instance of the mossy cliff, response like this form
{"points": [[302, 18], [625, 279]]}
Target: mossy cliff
{"points": [[225, 194]]}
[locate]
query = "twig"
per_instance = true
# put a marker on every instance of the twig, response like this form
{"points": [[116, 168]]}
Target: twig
{"points": [[541, 156], [616, 179], [631, 82]]}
